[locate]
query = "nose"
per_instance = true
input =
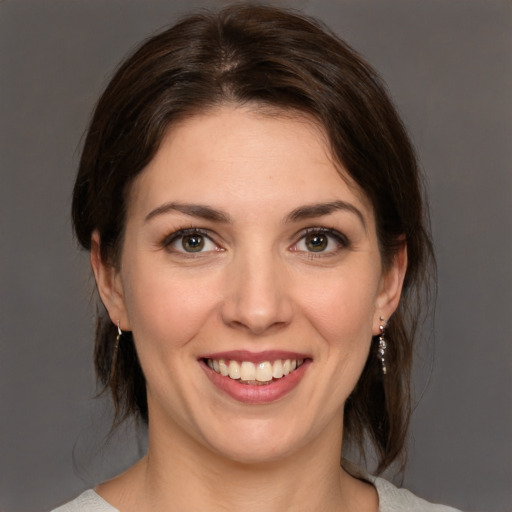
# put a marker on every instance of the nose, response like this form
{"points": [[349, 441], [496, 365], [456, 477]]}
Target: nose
{"points": [[258, 295]]}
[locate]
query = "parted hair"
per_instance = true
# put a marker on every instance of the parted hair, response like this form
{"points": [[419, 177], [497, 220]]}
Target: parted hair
{"points": [[290, 63]]}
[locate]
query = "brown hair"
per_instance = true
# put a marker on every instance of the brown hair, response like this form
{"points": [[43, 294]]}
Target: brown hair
{"points": [[270, 57]]}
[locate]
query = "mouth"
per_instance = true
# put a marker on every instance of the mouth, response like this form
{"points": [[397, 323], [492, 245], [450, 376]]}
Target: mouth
{"points": [[256, 378], [255, 374]]}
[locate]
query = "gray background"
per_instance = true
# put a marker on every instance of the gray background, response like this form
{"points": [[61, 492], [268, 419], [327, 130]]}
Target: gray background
{"points": [[448, 65]]}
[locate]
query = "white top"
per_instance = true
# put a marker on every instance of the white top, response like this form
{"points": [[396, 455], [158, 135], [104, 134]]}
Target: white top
{"points": [[391, 499]]}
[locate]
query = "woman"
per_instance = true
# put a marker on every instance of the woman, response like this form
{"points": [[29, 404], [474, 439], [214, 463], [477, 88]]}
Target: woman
{"points": [[252, 207]]}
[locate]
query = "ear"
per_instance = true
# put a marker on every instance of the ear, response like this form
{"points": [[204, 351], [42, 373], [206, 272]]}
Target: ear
{"points": [[390, 291], [109, 284]]}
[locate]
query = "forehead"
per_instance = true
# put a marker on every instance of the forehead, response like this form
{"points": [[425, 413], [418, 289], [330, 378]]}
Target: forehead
{"points": [[248, 156]]}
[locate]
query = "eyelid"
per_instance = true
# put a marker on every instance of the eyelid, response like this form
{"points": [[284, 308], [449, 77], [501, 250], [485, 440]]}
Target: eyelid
{"points": [[170, 239], [341, 240]]}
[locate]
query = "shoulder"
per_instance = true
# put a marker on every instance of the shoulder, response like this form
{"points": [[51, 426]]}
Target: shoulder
{"points": [[392, 498], [89, 501]]}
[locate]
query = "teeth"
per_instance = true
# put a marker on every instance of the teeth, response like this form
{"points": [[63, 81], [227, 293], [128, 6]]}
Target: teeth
{"points": [[264, 372], [249, 372], [223, 367], [233, 370], [277, 371]]}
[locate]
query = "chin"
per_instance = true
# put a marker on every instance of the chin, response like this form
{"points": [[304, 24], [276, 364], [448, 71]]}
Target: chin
{"points": [[256, 441], [254, 451]]}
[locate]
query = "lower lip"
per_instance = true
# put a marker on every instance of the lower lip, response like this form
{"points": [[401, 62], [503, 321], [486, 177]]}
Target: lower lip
{"points": [[257, 394]]}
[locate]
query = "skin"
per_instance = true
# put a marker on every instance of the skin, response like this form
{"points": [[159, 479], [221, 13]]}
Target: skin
{"points": [[255, 286]]}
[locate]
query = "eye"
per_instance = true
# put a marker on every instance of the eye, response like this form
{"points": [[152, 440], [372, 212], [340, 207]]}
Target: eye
{"points": [[190, 241], [316, 242], [320, 240]]}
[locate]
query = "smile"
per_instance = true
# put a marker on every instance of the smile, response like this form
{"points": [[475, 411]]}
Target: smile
{"points": [[261, 373], [256, 377]]}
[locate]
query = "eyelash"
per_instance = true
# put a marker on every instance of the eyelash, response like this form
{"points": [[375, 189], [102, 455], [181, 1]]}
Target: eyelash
{"points": [[169, 240], [341, 241]]}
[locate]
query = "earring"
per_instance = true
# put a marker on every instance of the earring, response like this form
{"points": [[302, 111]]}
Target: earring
{"points": [[116, 350], [381, 351]]}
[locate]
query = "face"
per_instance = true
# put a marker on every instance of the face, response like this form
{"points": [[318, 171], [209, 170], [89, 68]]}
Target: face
{"points": [[252, 281]]}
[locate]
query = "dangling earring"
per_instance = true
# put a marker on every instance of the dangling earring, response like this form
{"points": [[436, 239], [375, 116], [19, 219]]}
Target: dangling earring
{"points": [[116, 350], [381, 351]]}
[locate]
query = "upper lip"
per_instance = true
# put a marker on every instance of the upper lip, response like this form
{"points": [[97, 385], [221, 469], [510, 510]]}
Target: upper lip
{"points": [[255, 357]]}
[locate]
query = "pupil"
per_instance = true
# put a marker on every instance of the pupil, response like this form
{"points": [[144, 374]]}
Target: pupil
{"points": [[316, 243], [193, 243]]}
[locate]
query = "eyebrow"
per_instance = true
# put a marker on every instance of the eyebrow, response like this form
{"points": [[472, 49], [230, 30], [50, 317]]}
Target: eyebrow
{"points": [[194, 210], [320, 209], [300, 213]]}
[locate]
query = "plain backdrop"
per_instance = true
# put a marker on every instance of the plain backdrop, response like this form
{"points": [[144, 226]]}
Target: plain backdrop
{"points": [[449, 69]]}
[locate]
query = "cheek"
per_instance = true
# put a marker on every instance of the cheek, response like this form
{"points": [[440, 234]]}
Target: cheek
{"points": [[342, 308], [166, 309]]}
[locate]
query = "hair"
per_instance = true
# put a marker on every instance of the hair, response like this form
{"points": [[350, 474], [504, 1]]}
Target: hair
{"points": [[268, 57]]}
